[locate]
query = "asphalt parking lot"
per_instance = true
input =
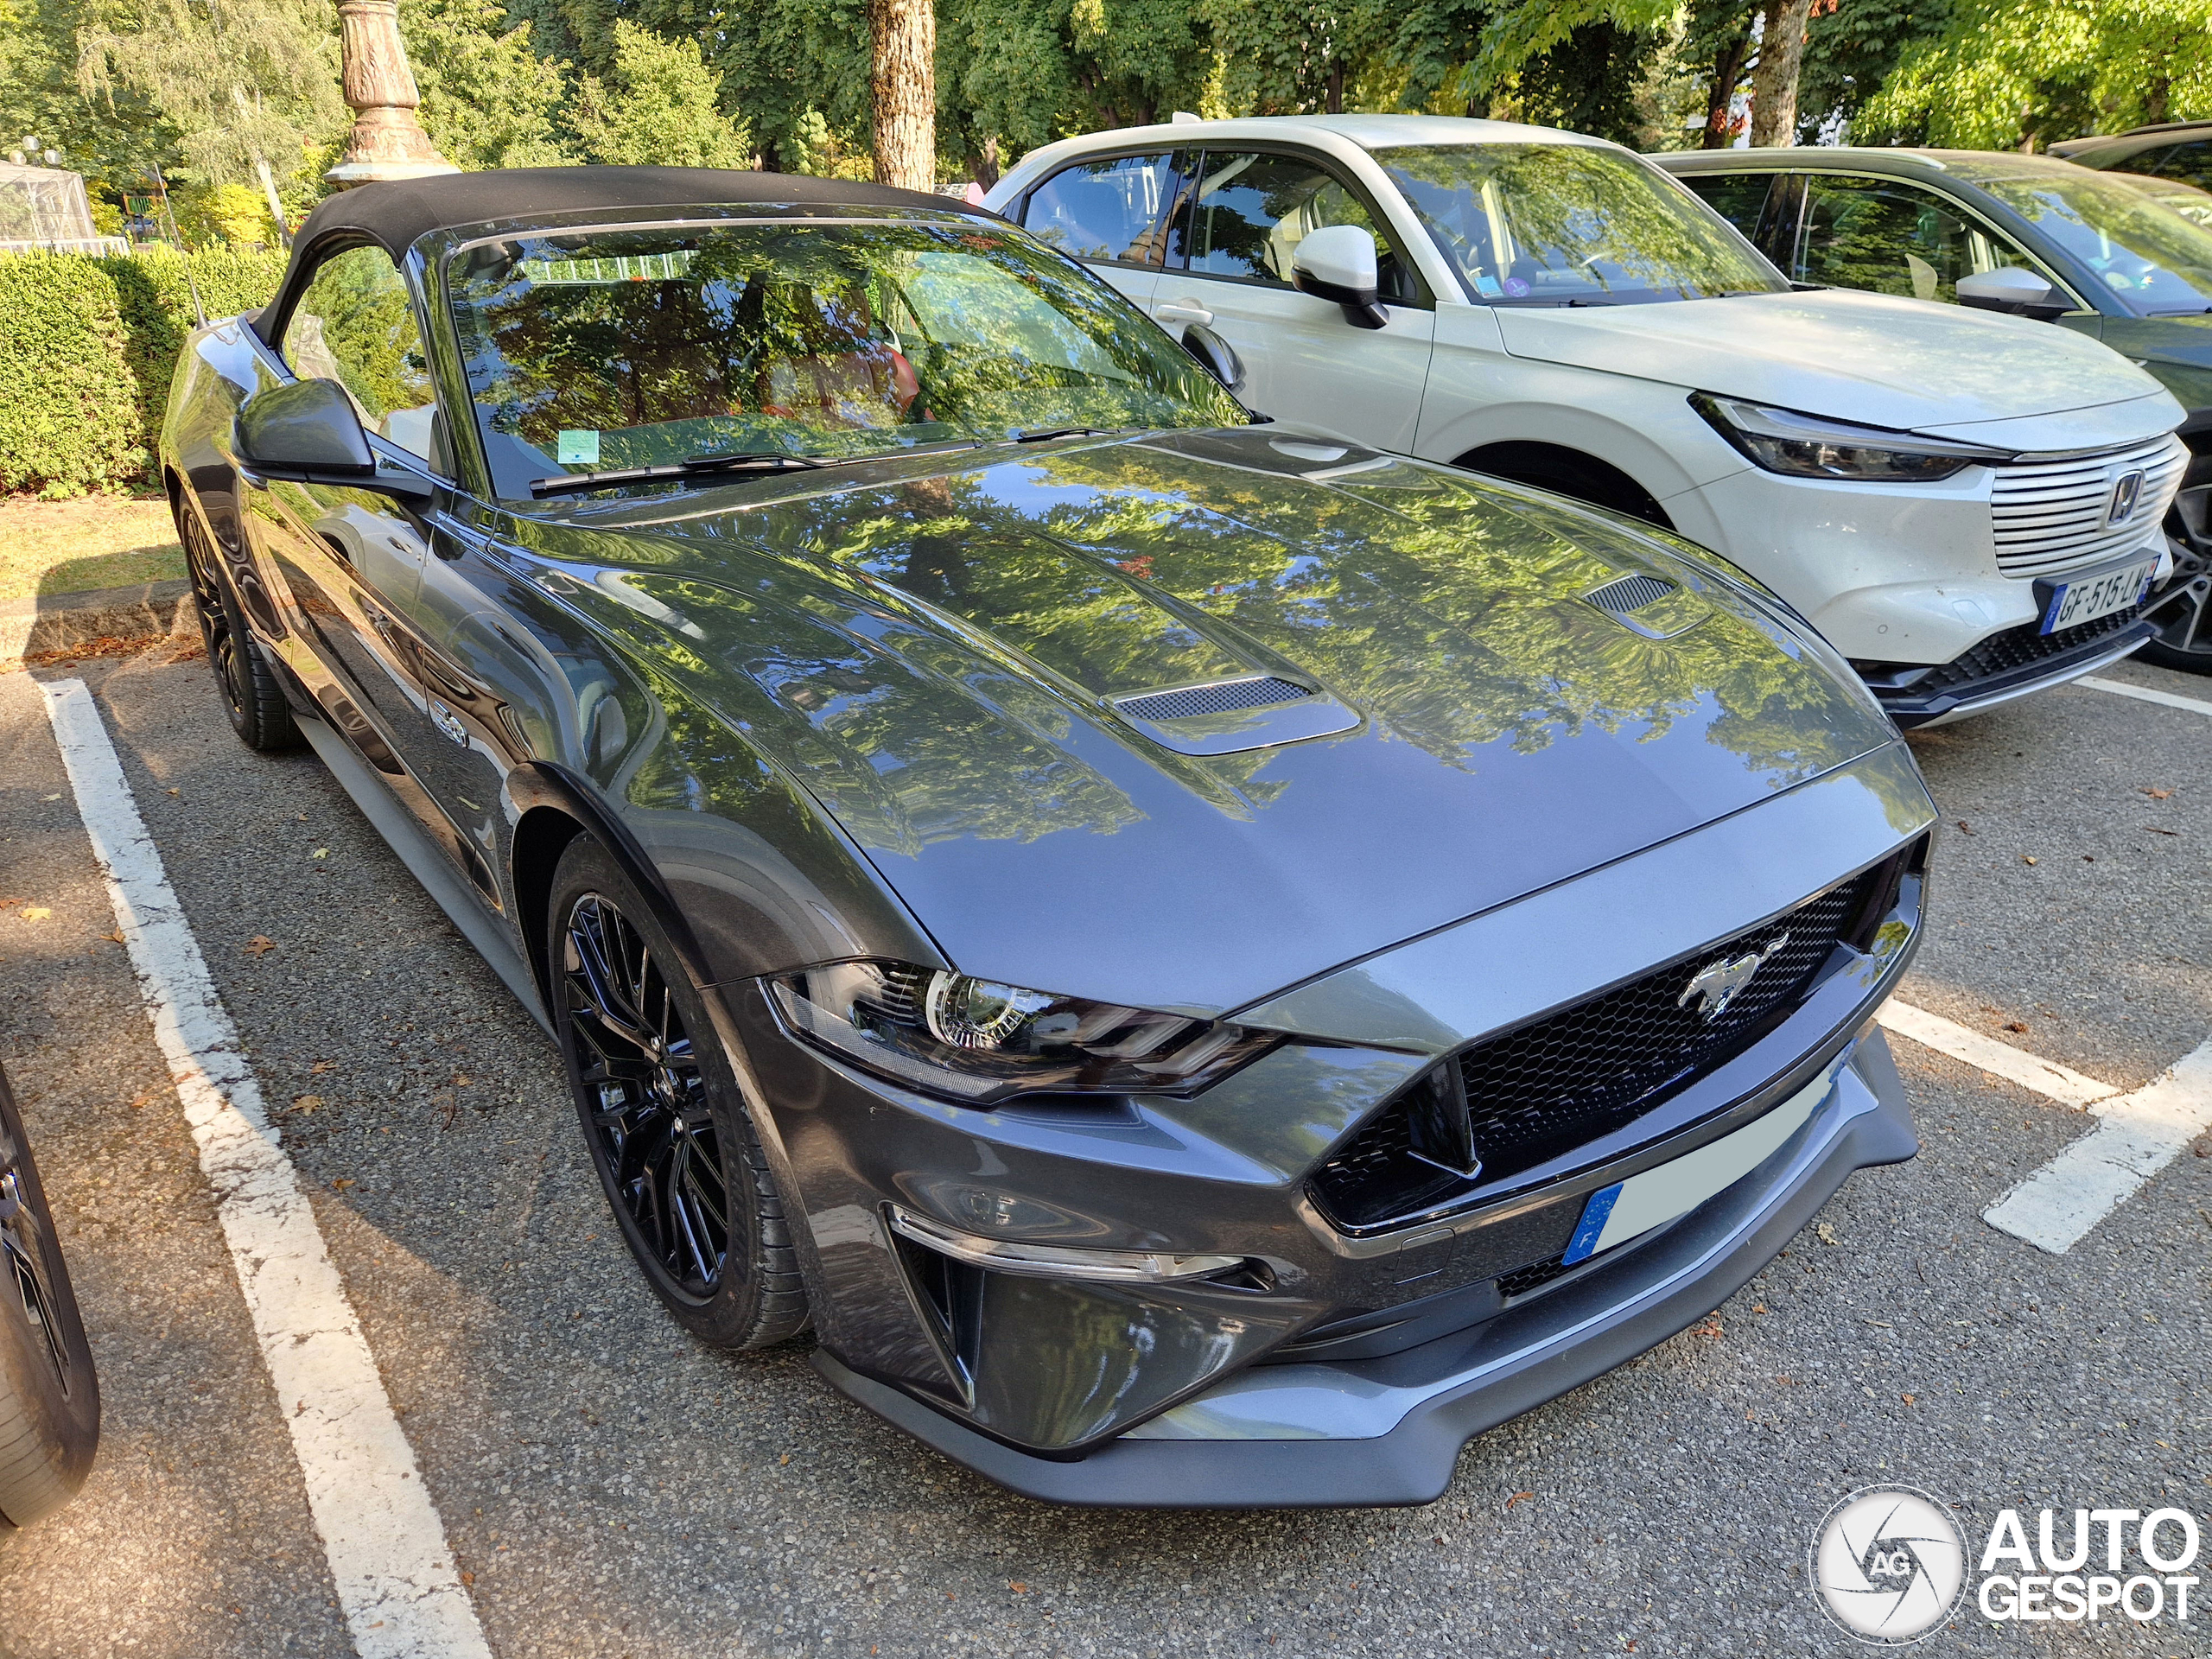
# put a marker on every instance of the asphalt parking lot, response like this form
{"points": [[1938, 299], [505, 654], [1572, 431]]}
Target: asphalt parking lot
{"points": [[608, 1488]]}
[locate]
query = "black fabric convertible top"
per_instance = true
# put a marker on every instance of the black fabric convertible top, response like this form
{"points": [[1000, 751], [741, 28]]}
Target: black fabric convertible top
{"points": [[395, 216]]}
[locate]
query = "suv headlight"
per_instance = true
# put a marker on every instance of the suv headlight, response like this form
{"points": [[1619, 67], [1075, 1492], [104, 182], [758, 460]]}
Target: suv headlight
{"points": [[1812, 446], [984, 1042]]}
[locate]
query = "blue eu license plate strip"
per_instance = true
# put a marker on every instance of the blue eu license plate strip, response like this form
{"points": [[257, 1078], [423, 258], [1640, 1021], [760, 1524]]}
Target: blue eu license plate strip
{"points": [[2090, 597]]}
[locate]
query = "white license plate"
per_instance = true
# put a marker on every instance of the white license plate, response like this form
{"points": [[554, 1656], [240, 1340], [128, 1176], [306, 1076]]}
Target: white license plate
{"points": [[2091, 597], [1613, 1215]]}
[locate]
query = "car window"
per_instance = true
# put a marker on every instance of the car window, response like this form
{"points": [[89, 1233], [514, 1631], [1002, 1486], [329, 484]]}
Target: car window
{"points": [[1245, 213], [1739, 198], [590, 351], [355, 324], [2190, 164], [2155, 261], [1884, 235], [1112, 209]]}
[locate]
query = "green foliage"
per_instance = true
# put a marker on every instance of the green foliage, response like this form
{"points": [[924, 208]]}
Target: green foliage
{"points": [[87, 347], [2002, 72], [488, 99], [235, 215], [1031, 70], [1292, 56], [659, 107], [1849, 51]]}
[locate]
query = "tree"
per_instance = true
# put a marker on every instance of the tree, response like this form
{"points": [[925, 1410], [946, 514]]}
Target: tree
{"points": [[242, 82], [489, 100], [659, 107], [1774, 85], [1282, 57], [1849, 52], [902, 92]]}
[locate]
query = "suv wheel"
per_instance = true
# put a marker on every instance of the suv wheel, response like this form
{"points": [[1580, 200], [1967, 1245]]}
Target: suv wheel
{"points": [[2181, 610]]}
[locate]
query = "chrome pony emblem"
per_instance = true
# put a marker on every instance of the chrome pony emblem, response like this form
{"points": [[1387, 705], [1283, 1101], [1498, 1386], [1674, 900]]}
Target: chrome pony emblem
{"points": [[2127, 490], [1715, 984]]}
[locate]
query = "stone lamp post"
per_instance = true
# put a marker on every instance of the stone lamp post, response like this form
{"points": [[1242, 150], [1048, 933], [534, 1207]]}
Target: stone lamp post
{"points": [[387, 141]]}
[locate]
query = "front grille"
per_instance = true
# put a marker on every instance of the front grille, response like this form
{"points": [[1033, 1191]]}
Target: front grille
{"points": [[2017, 648], [2049, 516], [1522, 1280], [1222, 697], [1544, 1089]]}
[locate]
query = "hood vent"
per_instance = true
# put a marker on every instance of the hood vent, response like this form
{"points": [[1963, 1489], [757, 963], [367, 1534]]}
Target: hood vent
{"points": [[1629, 594], [1221, 697]]}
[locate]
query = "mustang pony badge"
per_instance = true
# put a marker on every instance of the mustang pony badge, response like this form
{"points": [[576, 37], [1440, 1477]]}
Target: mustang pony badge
{"points": [[1715, 984]]}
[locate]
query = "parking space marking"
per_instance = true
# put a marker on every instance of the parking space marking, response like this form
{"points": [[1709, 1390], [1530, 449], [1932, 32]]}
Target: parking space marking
{"points": [[2045, 1077], [395, 1574], [2121, 688], [2141, 1133]]}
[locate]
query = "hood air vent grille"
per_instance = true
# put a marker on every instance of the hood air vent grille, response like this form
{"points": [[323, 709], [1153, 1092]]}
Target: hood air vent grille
{"points": [[1629, 594], [1222, 697]]}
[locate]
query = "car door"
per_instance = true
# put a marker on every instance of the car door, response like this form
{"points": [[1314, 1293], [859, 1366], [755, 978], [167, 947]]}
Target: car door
{"points": [[1238, 221], [1111, 212], [1892, 237]]}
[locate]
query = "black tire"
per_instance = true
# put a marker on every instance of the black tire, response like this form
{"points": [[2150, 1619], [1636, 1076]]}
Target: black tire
{"points": [[251, 695], [2181, 609], [1563, 472], [49, 1399], [683, 1171]]}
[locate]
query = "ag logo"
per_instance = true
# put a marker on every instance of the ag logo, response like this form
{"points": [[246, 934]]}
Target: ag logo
{"points": [[1888, 1565]]}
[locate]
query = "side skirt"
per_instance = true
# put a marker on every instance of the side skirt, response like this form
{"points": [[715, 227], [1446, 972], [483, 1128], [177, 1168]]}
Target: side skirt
{"points": [[427, 865]]}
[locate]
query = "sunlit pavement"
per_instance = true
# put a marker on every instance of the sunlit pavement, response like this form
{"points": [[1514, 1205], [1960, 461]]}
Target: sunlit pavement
{"points": [[608, 1488]]}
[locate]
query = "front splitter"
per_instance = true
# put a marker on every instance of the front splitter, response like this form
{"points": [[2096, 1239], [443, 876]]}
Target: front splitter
{"points": [[1404, 1418]]}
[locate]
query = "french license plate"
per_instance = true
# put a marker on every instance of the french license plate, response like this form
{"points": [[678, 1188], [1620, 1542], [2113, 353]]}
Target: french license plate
{"points": [[2086, 600]]}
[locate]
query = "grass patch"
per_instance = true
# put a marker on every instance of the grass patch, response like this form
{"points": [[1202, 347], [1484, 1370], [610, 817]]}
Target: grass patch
{"points": [[74, 547]]}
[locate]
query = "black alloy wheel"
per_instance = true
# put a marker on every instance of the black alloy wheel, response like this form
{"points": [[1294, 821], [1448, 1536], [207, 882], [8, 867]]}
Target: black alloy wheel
{"points": [[49, 1398], [252, 697], [2181, 608], [676, 1151]]}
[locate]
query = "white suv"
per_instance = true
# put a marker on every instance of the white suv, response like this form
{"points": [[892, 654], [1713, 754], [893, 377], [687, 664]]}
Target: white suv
{"points": [[1967, 503]]}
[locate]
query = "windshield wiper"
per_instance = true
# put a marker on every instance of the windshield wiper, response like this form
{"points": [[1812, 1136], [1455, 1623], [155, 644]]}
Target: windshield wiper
{"points": [[774, 461], [1044, 432]]}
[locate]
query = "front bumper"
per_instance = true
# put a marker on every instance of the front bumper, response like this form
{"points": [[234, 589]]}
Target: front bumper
{"points": [[1388, 1430], [2005, 666]]}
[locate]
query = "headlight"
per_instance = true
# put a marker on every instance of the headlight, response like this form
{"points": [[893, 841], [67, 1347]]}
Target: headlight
{"points": [[982, 1042], [1812, 446]]}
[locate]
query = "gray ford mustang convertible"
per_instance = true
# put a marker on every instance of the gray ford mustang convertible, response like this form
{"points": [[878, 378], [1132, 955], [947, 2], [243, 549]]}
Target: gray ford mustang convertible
{"points": [[1208, 965]]}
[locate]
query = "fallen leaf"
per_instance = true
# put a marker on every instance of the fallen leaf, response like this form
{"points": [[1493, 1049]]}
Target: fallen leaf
{"points": [[467, 1577], [259, 945], [5, 902], [140, 1102], [2025, 859], [307, 1104], [1906, 1398], [2155, 831], [37, 913], [1710, 1330], [1826, 1233], [322, 1066], [461, 1081], [113, 937], [2201, 1146], [2017, 1024], [1018, 1587], [322, 852], [1965, 828], [342, 1183], [2156, 794], [1518, 1498], [1758, 1308], [49, 797]]}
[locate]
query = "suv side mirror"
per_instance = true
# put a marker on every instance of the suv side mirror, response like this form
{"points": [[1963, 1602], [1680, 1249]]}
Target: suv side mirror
{"points": [[2014, 290], [308, 433], [1215, 355], [1338, 262]]}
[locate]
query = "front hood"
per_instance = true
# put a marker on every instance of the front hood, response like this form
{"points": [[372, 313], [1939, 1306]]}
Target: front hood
{"points": [[933, 655], [1870, 358]]}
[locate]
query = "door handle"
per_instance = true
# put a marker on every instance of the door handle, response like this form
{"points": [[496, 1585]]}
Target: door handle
{"points": [[1183, 311]]}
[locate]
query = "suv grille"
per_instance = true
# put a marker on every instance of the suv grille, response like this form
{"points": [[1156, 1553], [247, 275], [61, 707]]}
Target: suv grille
{"points": [[2049, 516], [1544, 1089], [2016, 648]]}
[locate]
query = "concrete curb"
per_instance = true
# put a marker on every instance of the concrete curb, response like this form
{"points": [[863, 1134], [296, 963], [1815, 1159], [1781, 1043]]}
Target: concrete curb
{"points": [[30, 628]]}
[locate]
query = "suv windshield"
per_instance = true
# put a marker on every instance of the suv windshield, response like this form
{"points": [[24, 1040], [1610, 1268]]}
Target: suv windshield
{"points": [[2157, 261], [1571, 224], [593, 351]]}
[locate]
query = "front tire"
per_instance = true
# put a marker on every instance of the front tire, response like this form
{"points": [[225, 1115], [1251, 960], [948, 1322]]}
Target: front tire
{"points": [[49, 1399], [683, 1171], [2181, 611], [252, 697]]}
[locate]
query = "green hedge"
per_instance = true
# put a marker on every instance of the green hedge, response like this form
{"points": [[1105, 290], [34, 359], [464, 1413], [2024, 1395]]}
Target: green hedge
{"points": [[87, 350]]}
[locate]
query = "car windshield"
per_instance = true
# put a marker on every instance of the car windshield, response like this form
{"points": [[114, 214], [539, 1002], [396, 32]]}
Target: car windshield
{"points": [[594, 351], [2157, 261], [1571, 224]]}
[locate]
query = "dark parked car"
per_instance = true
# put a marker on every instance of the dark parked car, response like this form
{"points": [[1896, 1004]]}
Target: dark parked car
{"points": [[2173, 150], [2018, 234], [49, 1398], [1210, 965]]}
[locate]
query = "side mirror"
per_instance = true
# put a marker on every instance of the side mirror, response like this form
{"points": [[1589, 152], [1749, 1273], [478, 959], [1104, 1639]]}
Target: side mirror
{"points": [[1215, 355], [2014, 290], [1338, 262], [308, 433]]}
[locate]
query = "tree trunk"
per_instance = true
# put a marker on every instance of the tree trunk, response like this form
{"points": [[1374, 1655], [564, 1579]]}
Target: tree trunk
{"points": [[986, 161], [903, 87], [1728, 70], [1336, 105], [1774, 85]]}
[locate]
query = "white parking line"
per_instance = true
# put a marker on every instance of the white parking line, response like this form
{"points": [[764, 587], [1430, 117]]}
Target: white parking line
{"points": [[1988, 1054], [2141, 1133], [395, 1574], [2144, 693]]}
